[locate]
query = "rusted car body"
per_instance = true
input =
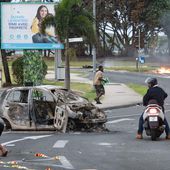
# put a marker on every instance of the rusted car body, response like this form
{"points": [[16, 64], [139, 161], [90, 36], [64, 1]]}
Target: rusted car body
{"points": [[48, 108]]}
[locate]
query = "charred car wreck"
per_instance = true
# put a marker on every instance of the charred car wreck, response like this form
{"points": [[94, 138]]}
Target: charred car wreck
{"points": [[48, 108]]}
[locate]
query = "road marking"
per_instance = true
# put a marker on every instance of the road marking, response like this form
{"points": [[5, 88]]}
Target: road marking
{"points": [[10, 145], [119, 120], [60, 144], [63, 160], [66, 163], [106, 144], [25, 138]]}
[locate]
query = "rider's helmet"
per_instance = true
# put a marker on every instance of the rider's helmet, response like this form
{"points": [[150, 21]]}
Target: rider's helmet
{"points": [[151, 81]]}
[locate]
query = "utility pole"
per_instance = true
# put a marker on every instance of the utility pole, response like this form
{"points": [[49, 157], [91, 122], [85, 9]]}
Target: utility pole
{"points": [[94, 26]]}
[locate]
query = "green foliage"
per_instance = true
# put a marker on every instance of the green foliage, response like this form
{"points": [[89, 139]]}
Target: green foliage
{"points": [[154, 11], [35, 68], [29, 68], [17, 69], [71, 20], [138, 88]]}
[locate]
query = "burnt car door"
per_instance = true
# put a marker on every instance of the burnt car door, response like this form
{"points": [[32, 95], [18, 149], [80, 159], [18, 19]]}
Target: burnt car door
{"points": [[46, 110], [16, 108]]}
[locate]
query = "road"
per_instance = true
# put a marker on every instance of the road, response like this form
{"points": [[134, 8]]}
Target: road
{"points": [[116, 149]]}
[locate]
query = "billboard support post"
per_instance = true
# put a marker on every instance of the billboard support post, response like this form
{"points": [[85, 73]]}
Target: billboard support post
{"points": [[59, 69], [0, 78]]}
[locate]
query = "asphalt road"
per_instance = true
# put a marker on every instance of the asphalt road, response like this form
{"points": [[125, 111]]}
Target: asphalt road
{"points": [[114, 150], [117, 149]]}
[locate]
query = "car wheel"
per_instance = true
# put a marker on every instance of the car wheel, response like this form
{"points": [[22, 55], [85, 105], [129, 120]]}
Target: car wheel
{"points": [[60, 118]]}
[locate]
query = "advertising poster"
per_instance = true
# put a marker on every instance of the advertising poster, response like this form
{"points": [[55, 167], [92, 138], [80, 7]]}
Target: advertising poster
{"points": [[20, 27]]}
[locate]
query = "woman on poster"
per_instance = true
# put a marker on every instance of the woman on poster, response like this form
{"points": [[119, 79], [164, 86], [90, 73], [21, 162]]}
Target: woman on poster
{"points": [[38, 37]]}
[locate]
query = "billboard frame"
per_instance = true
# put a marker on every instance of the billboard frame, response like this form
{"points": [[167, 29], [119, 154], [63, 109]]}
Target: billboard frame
{"points": [[27, 46]]}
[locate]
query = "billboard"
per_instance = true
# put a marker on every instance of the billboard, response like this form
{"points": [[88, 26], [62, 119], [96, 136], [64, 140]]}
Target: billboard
{"points": [[21, 24]]}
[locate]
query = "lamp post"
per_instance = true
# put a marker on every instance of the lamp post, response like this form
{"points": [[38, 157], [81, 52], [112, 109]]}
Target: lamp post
{"points": [[94, 26]]}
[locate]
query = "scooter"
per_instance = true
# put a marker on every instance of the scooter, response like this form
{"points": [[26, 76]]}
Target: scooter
{"points": [[153, 121]]}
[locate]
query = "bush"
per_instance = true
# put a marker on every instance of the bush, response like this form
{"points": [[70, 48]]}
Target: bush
{"points": [[29, 68], [17, 70]]}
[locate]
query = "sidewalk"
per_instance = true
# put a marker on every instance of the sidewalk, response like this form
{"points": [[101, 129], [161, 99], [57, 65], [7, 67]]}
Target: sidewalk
{"points": [[116, 94]]}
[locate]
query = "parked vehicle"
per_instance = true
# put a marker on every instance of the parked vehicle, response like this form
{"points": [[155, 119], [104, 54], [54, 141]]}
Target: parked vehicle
{"points": [[153, 121], [48, 108]]}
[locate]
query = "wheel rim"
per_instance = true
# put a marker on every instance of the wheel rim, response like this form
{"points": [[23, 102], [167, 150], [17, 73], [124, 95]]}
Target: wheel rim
{"points": [[59, 118]]}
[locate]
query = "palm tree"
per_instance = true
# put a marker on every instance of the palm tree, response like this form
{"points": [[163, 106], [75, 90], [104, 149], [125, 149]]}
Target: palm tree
{"points": [[70, 18]]}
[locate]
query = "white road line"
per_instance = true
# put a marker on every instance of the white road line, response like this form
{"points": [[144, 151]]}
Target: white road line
{"points": [[60, 144], [66, 163], [25, 138], [119, 120]]}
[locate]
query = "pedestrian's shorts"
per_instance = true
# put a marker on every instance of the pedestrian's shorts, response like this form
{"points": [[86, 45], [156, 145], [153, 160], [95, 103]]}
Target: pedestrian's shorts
{"points": [[99, 89]]}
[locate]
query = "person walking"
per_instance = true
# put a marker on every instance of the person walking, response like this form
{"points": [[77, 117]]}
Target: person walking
{"points": [[97, 82]]}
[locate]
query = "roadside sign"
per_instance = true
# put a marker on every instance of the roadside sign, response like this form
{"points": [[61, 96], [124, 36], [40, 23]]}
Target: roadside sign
{"points": [[141, 59], [79, 39], [20, 28]]}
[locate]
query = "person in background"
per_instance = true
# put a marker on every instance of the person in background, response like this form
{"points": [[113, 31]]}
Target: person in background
{"points": [[97, 82], [3, 150]]}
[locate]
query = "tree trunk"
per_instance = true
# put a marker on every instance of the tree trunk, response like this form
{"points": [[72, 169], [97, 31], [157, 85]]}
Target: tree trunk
{"points": [[67, 67], [6, 68]]}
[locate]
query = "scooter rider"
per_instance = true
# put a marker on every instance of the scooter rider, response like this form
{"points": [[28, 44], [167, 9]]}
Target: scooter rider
{"points": [[154, 92]]}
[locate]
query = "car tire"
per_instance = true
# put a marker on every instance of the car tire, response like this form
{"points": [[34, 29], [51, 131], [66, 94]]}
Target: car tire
{"points": [[60, 118]]}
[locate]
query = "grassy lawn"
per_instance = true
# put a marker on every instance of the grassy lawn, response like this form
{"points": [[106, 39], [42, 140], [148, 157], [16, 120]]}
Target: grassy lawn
{"points": [[138, 88], [77, 63], [86, 90], [132, 68]]}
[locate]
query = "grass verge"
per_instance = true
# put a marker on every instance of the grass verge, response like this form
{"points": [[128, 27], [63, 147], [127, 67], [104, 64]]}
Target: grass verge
{"points": [[86, 89], [138, 88]]}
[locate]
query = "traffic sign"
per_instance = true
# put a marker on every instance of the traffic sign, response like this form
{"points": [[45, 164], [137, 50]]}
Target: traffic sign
{"points": [[141, 59]]}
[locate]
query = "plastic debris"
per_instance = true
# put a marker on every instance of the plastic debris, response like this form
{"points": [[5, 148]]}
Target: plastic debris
{"points": [[56, 158], [48, 169], [41, 155], [13, 164]]}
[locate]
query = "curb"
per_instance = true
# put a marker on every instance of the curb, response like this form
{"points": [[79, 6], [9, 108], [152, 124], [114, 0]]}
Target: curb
{"points": [[122, 106]]}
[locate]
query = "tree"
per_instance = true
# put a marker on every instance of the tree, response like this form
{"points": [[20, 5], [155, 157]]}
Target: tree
{"points": [[165, 22], [70, 19], [4, 55], [125, 18]]}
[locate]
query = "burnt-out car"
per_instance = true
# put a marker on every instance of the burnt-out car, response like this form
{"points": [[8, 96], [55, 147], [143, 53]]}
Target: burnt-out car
{"points": [[48, 108]]}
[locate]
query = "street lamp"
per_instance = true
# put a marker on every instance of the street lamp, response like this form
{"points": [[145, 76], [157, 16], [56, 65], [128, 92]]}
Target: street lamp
{"points": [[94, 26]]}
